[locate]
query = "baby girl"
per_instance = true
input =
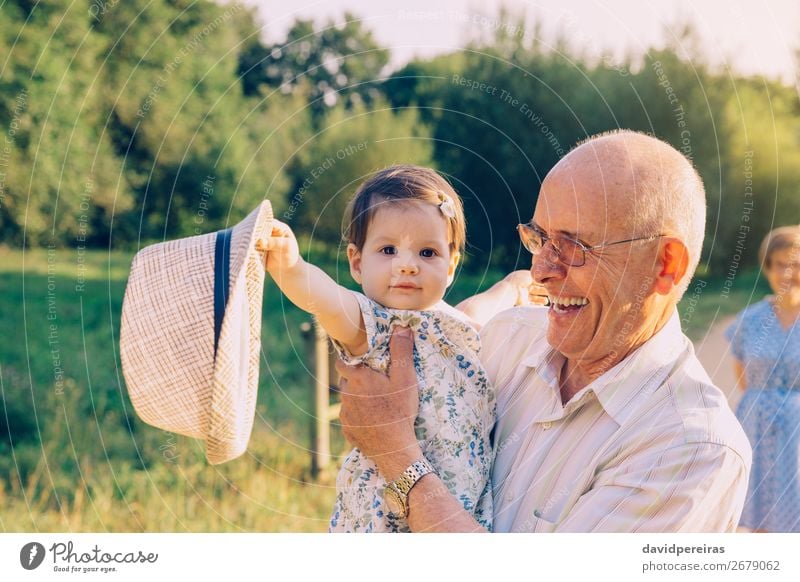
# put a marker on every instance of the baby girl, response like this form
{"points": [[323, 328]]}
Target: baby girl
{"points": [[405, 233]]}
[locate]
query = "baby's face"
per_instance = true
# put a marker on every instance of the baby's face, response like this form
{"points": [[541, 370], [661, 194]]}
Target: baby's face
{"points": [[406, 261]]}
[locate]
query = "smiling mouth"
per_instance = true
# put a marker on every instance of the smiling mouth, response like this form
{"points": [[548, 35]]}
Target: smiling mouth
{"points": [[565, 304]]}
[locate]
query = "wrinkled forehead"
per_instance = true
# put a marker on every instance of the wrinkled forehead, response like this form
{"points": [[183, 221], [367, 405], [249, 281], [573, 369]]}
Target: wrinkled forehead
{"points": [[586, 198]]}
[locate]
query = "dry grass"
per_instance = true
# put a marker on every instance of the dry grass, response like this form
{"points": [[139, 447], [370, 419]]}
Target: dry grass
{"points": [[267, 490]]}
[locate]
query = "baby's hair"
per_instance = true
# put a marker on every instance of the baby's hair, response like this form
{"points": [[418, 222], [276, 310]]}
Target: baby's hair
{"points": [[399, 184]]}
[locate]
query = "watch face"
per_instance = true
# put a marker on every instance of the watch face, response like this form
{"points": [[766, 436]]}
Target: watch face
{"points": [[393, 502]]}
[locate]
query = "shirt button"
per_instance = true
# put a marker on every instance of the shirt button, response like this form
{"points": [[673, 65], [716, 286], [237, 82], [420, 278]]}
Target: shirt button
{"points": [[537, 513], [547, 425], [510, 496]]}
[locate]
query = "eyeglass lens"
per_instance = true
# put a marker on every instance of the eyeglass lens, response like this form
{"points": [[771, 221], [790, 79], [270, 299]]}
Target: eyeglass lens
{"points": [[567, 251]]}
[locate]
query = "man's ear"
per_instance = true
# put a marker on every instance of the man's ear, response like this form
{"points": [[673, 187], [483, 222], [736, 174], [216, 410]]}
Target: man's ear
{"points": [[673, 261], [354, 258], [451, 270]]}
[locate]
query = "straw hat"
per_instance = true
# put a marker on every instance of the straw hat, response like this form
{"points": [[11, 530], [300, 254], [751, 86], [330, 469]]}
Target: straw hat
{"points": [[189, 342]]}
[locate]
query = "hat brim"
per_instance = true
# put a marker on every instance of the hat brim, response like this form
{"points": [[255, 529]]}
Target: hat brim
{"points": [[236, 365], [168, 334]]}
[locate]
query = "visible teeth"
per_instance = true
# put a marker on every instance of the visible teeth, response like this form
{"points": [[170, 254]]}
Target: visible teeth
{"points": [[567, 301]]}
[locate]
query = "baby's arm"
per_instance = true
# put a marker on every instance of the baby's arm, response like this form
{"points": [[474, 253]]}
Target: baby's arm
{"points": [[335, 307], [516, 288]]}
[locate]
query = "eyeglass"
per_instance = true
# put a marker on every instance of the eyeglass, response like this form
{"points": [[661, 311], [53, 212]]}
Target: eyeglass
{"points": [[569, 251]]}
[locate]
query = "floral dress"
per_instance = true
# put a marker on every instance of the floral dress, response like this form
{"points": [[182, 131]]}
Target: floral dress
{"points": [[456, 416], [770, 414]]}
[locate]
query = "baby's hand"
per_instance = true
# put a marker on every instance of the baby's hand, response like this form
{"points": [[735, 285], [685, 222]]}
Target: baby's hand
{"points": [[528, 292], [282, 252]]}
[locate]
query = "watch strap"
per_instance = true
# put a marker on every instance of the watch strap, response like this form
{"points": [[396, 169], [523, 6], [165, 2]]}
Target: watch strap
{"points": [[405, 482]]}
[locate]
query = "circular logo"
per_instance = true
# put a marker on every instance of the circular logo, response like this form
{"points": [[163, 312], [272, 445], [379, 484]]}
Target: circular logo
{"points": [[31, 555]]}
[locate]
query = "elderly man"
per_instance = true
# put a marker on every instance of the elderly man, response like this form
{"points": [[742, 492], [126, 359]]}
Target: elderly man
{"points": [[606, 420]]}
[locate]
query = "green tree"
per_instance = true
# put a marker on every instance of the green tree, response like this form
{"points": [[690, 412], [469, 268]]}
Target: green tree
{"points": [[121, 116], [339, 63], [764, 170], [60, 168], [199, 152]]}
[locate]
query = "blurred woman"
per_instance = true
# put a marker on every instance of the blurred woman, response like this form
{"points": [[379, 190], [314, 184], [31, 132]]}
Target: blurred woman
{"points": [[765, 341]]}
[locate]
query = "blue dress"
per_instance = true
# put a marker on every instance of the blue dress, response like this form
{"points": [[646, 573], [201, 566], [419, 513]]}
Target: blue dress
{"points": [[770, 414]]}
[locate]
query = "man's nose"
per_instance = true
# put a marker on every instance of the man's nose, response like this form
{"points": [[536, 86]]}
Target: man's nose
{"points": [[546, 265]]}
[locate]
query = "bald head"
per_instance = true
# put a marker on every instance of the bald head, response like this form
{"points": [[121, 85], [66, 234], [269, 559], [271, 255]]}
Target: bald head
{"points": [[640, 186]]}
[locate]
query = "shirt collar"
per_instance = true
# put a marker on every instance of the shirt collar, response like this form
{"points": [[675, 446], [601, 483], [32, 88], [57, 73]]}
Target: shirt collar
{"points": [[618, 387]]}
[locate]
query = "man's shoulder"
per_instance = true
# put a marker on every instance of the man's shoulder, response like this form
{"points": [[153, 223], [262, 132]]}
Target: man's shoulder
{"points": [[529, 320], [701, 409], [686, 417]]}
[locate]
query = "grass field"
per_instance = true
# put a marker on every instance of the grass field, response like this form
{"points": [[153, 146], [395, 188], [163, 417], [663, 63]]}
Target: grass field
{"points": [[74, 456]]}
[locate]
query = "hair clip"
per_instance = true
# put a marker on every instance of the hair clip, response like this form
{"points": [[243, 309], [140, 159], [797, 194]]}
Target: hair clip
{"points": [[446, 205]]}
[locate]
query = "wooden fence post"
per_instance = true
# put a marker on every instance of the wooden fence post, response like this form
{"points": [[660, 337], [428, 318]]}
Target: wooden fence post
{"points": [[318, 349]]}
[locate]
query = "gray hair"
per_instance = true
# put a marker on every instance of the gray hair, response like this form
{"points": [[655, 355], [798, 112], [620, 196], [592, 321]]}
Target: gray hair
{"points": [[676, 205]]}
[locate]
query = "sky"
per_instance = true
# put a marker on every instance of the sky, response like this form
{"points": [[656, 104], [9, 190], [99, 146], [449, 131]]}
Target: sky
{"points": [[757, 37]]}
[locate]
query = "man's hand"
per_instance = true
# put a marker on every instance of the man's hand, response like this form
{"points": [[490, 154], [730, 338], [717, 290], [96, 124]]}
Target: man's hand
{"points": [[378, 412], [282, 251]]}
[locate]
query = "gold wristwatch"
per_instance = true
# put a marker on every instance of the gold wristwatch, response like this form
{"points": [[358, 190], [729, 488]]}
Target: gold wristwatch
{"points": [[396, 492]]}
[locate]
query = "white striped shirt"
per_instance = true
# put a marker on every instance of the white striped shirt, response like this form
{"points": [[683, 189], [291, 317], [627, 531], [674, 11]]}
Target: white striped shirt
{"points": [[650, 446]]}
